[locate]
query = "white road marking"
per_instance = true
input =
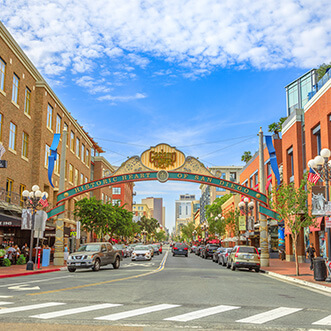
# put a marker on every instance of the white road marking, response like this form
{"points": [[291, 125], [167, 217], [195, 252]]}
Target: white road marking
{"points": [[269, 315], [36, 281], [324, 321], [31, 307], [135, 312], [4, 303], [75, 311], [5, 296], [200, 313], [23, 288]]}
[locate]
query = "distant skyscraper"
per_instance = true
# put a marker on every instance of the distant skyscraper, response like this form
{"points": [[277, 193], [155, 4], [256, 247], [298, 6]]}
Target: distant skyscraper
{"points": [[183, 210], [155, 205]]}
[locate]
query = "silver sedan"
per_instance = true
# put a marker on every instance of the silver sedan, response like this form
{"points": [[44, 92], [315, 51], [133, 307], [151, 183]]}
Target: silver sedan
{"points": [[141, 253]]}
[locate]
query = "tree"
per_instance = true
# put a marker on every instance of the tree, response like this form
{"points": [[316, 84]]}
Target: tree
{"points": [[231, 220], [215, 222], [187, 230], [276, 127], [246, 156], [322, 70], [291, 204], [149, 225], [160, 236]]}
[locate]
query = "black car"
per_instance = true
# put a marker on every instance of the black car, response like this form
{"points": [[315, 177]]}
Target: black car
{"points": [[180, 249], [208, 251]]}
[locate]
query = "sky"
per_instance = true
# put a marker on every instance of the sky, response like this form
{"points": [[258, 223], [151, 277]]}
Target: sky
{"points": [[203, 75]]}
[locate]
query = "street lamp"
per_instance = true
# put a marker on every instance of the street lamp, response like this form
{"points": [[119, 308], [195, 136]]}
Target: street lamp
{"points": [[322, 165], [246, 207], [32, 201], [194, 233]]}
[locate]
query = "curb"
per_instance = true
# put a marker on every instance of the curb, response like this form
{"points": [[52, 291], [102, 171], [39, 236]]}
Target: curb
{"points": [[298, 281], [32, 272]]}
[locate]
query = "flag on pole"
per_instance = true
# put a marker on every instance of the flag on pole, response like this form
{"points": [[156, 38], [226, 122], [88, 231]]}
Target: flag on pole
{"points": [[313, 176], [43, 201]]}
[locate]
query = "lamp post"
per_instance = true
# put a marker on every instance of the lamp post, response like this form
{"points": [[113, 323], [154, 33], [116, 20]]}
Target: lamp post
{"points": [[246, 207], [194, 233], [322, 165], [31, 200]]}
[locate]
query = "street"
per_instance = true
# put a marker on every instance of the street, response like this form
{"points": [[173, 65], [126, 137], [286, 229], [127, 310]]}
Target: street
{"points": [[165, 293]]}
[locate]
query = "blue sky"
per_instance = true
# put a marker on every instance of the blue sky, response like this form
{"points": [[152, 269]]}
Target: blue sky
{"points": [[199, 75]]}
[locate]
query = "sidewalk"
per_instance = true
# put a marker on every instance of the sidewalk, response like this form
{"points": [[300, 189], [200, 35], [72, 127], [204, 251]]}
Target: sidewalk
{"points": [[286, 271], [20, 270]]}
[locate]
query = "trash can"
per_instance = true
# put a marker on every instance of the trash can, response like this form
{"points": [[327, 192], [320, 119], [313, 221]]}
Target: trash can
{"points": [[319, 269]]}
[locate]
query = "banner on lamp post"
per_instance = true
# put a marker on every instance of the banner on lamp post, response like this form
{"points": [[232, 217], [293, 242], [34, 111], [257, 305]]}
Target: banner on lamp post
{"points": [[242, 223], [327, 222]]}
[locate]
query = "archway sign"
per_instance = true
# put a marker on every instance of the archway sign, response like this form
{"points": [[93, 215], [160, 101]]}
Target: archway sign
{"points": [[161, 163]]}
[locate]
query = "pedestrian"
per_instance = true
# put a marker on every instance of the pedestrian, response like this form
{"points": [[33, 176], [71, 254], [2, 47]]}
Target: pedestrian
{"points": [[11, 253], [311, 254], [65, 253], [25, 250]]}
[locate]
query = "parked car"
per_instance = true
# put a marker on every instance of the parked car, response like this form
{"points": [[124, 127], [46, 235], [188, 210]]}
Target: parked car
{"points": [[151, 249], [223, 256], [208, 251], [121, 248], [193, 248], [141, 253], [216, 253], [156, 249], [199, 249], [244, 257], [180, 249], [94, 255]]}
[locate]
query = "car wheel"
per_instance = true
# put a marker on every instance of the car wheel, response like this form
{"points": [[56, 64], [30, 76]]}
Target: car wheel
{"points": [[71, 269], [186, 255], [219, 261], [257, 269], [173, 254], [117, 263], [223, 263], [228, 265], [233, 268], [96, 266]]}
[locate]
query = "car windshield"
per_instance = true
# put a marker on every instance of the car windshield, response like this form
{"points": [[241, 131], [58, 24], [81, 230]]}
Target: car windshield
{"points": [[247, 250], [141, 248], [181, 245], [89, 248]]}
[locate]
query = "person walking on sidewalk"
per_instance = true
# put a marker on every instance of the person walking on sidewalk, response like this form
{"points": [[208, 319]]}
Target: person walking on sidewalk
{"points": [[311, 254]]}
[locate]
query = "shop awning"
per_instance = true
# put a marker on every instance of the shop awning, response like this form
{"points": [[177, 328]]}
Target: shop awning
{"points": [[10, 221], [317, 227]]}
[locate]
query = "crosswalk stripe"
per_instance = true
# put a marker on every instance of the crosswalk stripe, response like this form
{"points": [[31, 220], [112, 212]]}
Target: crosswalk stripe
{"points": [[75, 311], [200, 313], [30, 307], [2, 303], [324, 321], [5, 296], [135, 312], [269, 315]]}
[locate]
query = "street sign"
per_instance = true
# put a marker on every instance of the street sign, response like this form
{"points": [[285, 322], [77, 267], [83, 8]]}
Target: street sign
{"points": [[107, 237], [3, 164], [78, 230], [327, 222], [242, 223]]}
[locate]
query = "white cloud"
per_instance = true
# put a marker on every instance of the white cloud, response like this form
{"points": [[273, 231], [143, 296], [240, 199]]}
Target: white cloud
{"points": [[199, 35], [120, 98]]}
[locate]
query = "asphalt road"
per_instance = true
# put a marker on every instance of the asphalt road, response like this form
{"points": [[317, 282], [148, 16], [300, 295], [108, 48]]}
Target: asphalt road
{"points": [[166, 293]]}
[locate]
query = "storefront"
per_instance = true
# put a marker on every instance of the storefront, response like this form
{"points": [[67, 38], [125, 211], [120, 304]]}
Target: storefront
{"points": [[10, 231]]}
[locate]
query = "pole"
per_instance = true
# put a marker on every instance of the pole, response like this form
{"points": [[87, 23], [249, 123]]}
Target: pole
{"points": [[263, 221], [328, 230], [58, 252], [29, 265], [246, 212]]}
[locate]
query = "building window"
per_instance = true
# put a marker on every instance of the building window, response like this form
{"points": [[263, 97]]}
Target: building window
{"points": [[12, 136], [292, 97], [22, 188], [47, 154], [290, 164], [49, 116], [57, 164], [85, 181], [65, 126], [25, 144], [2, 74], [27, 101], [78, 147], [16, 82], [58, 124], [87, 157], [317, 135], [103, 197], [1, 120], [233, 176], [9, 189], [71, 173], [116, 202], [116, 190], [72, 141], [81, 179], [82, 154], [76, 177]]}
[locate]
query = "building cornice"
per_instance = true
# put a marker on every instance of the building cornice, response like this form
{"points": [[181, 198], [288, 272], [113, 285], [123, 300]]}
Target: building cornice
{"points": [[295, 116]]}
